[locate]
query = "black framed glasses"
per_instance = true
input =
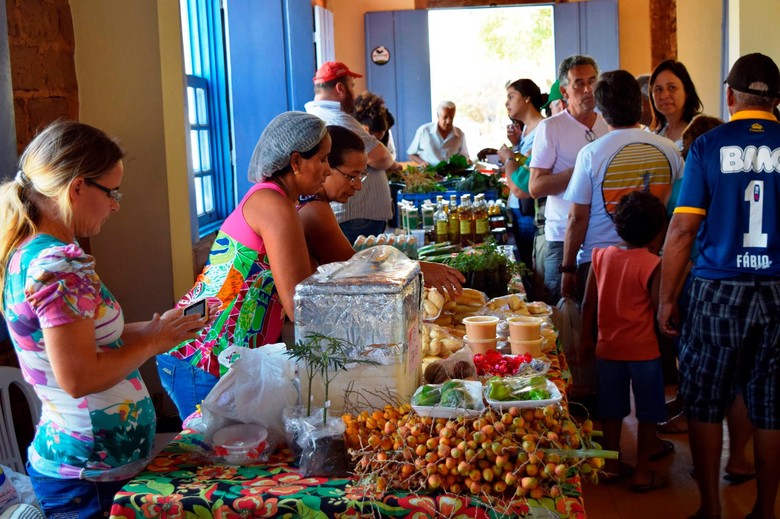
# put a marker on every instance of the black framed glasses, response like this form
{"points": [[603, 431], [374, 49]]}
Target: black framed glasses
{"points": [[112, 193], [590, 136], [362, 177]]}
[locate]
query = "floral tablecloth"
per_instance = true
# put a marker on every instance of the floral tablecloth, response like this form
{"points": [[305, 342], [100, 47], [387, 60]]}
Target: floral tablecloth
{"points": [[183, 481]]}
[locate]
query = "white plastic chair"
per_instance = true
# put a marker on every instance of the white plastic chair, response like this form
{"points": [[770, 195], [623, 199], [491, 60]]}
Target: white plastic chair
{"points": [[10, 455]]}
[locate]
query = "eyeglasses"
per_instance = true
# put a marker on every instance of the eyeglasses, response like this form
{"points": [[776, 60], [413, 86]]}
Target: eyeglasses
{"points": [[590, 136], [112, 193], [363, 176]]}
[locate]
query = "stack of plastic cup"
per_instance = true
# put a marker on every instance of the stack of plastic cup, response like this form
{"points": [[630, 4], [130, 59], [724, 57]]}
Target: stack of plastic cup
{"points": [[525, 335], [481, 332]]}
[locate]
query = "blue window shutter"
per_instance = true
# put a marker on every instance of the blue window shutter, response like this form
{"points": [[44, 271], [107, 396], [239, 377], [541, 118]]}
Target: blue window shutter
{"points": [[258, 71], [301, 64]]}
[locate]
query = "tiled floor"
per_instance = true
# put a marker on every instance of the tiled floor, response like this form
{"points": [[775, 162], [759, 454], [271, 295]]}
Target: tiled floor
{"points": [[679, 500]]}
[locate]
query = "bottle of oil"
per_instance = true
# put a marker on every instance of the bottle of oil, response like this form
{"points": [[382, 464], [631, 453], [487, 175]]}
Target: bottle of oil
{"points": [[481, 222], [466, 219], [441, 223], [453, 233]]}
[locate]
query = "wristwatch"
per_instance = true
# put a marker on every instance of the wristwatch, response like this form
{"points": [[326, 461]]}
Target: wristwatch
{"points": [[567, 269]]}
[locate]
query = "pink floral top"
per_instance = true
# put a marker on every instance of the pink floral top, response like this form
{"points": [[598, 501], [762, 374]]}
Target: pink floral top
{"points": [[105, 436]]}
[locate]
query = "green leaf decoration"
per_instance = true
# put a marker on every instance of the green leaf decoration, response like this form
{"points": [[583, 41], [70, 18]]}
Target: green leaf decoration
{"points": [[199, 512]]}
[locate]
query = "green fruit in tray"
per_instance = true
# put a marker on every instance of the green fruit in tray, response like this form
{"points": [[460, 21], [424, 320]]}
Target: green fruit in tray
{"points": [[457, 397], [507, 389], [426, 396]]}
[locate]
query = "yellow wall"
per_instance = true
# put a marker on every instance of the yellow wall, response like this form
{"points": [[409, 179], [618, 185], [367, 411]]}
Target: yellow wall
{"points": [[125, 89], [634, 34], [699, 47], [348, 26], [753, 28]]}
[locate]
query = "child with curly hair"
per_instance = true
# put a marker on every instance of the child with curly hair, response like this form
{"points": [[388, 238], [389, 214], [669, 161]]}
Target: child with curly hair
{"points": [[622, 292]]}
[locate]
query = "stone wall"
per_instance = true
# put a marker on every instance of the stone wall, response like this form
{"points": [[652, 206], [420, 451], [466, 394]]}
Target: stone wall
{"points": [[43, 72]]}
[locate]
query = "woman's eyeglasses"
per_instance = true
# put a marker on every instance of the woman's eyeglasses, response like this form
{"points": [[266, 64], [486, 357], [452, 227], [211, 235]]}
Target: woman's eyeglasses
{"points": [[362, 177], [112, 193], [590, 136]]}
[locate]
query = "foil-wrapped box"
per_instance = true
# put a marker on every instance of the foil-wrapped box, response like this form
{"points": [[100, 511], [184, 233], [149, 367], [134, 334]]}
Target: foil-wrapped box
{"points": [[372, 301]]}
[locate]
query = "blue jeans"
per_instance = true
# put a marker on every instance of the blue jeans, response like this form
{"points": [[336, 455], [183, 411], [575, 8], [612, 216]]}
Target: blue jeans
{"points": [[552, 278], [186, 384], [354, 228], [523, 230], [73, 498]]}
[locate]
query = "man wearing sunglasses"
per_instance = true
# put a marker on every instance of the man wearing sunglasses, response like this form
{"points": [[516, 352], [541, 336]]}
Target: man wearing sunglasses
{"points": [[558, 140]]}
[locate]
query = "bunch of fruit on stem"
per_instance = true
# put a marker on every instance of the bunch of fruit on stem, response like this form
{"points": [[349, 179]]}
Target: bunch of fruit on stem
{"points": [[519, 452]]}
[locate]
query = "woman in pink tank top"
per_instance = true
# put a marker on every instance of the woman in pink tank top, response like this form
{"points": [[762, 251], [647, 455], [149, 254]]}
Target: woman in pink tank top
{"points": [[263, 234]]}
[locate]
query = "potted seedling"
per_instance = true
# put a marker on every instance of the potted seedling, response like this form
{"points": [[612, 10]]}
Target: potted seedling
{"points": [[317, 440], [486, 268]]}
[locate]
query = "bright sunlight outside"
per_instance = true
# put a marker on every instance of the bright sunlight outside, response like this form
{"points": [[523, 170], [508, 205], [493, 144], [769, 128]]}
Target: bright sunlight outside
{"points": [[475, 52]]}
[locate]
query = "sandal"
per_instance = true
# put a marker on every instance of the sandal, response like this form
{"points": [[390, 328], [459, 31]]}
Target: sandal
{"points": [[624, 472], [668, 448], [678, 424], [737, 479], [655, 483]]}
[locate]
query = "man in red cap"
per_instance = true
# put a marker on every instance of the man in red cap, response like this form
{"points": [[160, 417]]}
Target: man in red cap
{"points": [[369, 209], [730, 338]]}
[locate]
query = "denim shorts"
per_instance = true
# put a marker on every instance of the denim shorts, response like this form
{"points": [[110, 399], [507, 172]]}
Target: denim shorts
{"points": [[73, 498], [186, 384], [730, 341], [617, 378]]}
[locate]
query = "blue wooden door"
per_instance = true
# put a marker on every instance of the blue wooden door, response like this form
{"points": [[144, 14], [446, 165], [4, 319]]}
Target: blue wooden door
{"points": [[405, 80], [588, 28], [271, 52]]}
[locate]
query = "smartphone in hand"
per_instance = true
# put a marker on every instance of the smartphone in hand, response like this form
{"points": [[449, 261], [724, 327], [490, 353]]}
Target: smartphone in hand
{"points": [[197, 308]]}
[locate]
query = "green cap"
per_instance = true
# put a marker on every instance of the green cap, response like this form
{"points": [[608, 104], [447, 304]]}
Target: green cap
{"points": [[555, 94]]}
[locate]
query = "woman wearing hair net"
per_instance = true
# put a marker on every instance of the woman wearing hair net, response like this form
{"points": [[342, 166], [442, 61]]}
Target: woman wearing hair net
{"points": [[263, 234]]}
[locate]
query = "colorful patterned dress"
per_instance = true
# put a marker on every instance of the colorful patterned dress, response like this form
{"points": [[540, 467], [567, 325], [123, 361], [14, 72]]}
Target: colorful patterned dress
{"points": [[238, 276], [105, 436]]}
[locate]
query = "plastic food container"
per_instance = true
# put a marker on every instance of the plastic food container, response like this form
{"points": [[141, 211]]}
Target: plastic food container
{"points": [[555, 397], [240, 444], [474, 387]]}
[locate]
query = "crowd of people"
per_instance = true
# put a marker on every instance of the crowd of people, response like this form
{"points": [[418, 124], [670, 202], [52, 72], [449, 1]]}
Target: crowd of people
{"points": [[590, 204]]}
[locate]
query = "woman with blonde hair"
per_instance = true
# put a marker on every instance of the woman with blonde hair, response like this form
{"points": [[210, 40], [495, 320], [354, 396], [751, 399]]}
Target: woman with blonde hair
{"points": [[98, 422]]}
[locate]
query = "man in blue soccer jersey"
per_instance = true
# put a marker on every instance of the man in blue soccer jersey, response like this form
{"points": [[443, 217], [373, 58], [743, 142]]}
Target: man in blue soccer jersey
{"points": [[730, 339]]}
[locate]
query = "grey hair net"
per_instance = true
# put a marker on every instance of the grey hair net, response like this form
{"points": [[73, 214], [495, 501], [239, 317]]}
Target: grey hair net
{"points": [[285, 134]]}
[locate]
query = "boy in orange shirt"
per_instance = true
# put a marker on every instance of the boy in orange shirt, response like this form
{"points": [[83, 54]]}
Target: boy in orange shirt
{"points": [[622, 292]]}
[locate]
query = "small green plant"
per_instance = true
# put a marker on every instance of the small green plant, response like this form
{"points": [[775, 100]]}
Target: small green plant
{"points": [[485, 257], [325, 357]]}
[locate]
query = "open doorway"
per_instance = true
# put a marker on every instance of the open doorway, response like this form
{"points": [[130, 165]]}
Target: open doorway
{"points": [[475, 52]]}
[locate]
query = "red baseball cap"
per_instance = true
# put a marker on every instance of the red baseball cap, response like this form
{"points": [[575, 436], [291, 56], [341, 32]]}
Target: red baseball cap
{"points": [[331, 70]]}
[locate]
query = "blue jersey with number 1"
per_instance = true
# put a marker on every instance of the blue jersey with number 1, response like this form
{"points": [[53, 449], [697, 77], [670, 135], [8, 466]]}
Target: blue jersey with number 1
{"points": [[732, 177]]}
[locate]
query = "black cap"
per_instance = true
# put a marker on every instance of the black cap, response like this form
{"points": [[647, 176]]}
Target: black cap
{"points": [[755, 74]]}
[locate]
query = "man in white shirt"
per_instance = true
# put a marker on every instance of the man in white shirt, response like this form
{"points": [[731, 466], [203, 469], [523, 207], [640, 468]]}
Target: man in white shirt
{"points": [[558, 140], [369, 209], [439, 140], [627, 159]]}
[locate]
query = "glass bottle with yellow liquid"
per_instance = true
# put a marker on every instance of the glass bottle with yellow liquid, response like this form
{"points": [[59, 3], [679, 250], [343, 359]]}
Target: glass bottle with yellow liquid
{"points": [[441, 223], [481, 222], [466, 219], [453, 233]]}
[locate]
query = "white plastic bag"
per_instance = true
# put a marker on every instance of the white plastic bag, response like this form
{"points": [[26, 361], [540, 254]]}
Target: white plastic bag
{"points": [[583, 369], [15, 488], [256, 388]]}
